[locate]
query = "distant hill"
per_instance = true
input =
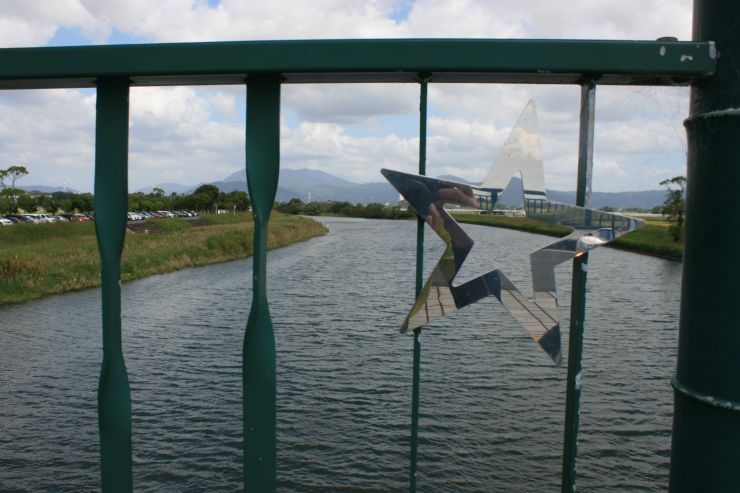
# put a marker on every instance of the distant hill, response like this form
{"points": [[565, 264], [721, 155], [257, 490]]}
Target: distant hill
{"points": [[512, 196], [282, 195], [45, 189], [316, 185], [648, 199], [621, 200]]}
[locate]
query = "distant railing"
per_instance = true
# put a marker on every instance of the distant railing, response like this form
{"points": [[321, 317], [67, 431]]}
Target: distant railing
{"points": [[264, 67]]}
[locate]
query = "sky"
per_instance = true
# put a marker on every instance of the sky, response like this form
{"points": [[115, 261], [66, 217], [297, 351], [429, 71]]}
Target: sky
{"points": [[191, 135]]}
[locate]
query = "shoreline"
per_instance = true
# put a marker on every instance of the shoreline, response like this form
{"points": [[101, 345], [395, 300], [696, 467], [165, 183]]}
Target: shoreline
{"points": [[39, 260], [652, 239]]}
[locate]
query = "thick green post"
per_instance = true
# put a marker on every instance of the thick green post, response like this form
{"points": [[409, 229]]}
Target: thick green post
{"points": [[258, 370], [416, 378], [578, 296], [111, 205], [705, 453]]}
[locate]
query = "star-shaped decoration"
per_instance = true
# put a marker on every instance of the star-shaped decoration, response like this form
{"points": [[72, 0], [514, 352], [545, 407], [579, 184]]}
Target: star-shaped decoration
{"points": [[539, 316]]}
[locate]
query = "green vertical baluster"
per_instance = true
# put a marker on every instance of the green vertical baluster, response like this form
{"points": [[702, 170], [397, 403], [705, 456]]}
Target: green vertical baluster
{"points": [[573, 389], [419, 283], [111, 204], [263, 164], [578, 296]]}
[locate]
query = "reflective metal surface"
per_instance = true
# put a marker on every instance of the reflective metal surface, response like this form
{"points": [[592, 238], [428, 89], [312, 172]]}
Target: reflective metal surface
{"points": [[521, 153]]}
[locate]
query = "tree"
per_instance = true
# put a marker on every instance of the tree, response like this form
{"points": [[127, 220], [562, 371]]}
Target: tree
{"points": [[674, 206], [236, 199], [14, 173], [293, 206], [25, 202], [205, 197], [313, 209]]}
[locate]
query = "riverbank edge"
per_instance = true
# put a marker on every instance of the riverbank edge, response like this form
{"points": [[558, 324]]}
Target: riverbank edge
{"points": [[281, 233], [632, 243]]}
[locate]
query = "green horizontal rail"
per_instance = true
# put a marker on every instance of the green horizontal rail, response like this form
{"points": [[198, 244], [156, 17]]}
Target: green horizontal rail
{"points": [[375, 60]]}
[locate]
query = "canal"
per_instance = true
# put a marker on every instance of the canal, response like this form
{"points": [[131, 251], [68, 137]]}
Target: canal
{"points": [[492, 404]]}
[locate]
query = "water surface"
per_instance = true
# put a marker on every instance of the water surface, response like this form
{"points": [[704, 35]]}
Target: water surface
{"points": [[492, 404]]}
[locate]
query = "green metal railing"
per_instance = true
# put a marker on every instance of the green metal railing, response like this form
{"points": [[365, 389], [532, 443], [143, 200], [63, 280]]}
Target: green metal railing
{"points": [[578, 293], [111, 205], [416, 371], [708, 363], [258, 370]]}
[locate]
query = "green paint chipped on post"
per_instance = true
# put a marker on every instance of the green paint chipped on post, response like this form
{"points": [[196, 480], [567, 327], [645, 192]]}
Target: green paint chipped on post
{"points": [[258, 370], [111, 205]]}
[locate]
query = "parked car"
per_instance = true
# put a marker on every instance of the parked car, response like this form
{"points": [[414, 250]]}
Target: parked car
{"points": [[5, 222], [21, 218], [41, 218]]}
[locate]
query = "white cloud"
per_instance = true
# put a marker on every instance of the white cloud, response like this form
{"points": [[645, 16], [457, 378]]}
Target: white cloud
{"points": [[349, 103], [326, 146], [174, 139], [33, 23], [190, 135], [191, 20], [51, 133]]}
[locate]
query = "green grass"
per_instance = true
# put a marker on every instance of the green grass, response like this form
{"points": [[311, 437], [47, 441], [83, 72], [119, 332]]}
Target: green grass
{"points": [[25, 233], [239, 217], [518, 223], [651, 239], [41, 259], [170, 225]]}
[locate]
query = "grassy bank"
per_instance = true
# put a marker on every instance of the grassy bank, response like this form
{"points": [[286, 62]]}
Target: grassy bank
{"points": [[652, 239], [41, 259], [518, 223]]}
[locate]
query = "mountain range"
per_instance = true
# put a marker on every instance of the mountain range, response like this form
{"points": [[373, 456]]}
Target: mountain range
{"points": [[304, 184], [316, 185], [45, 189]]}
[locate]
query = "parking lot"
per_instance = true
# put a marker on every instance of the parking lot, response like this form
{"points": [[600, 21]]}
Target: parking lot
{"points": [[11, 219]]}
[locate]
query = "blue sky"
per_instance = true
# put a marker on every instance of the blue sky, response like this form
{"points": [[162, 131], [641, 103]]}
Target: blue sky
{"points": [[190, 135], [74, 36]]}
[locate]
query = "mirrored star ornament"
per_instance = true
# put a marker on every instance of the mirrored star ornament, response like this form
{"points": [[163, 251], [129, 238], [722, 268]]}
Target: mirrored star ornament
{"points": [[520, 154]]}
